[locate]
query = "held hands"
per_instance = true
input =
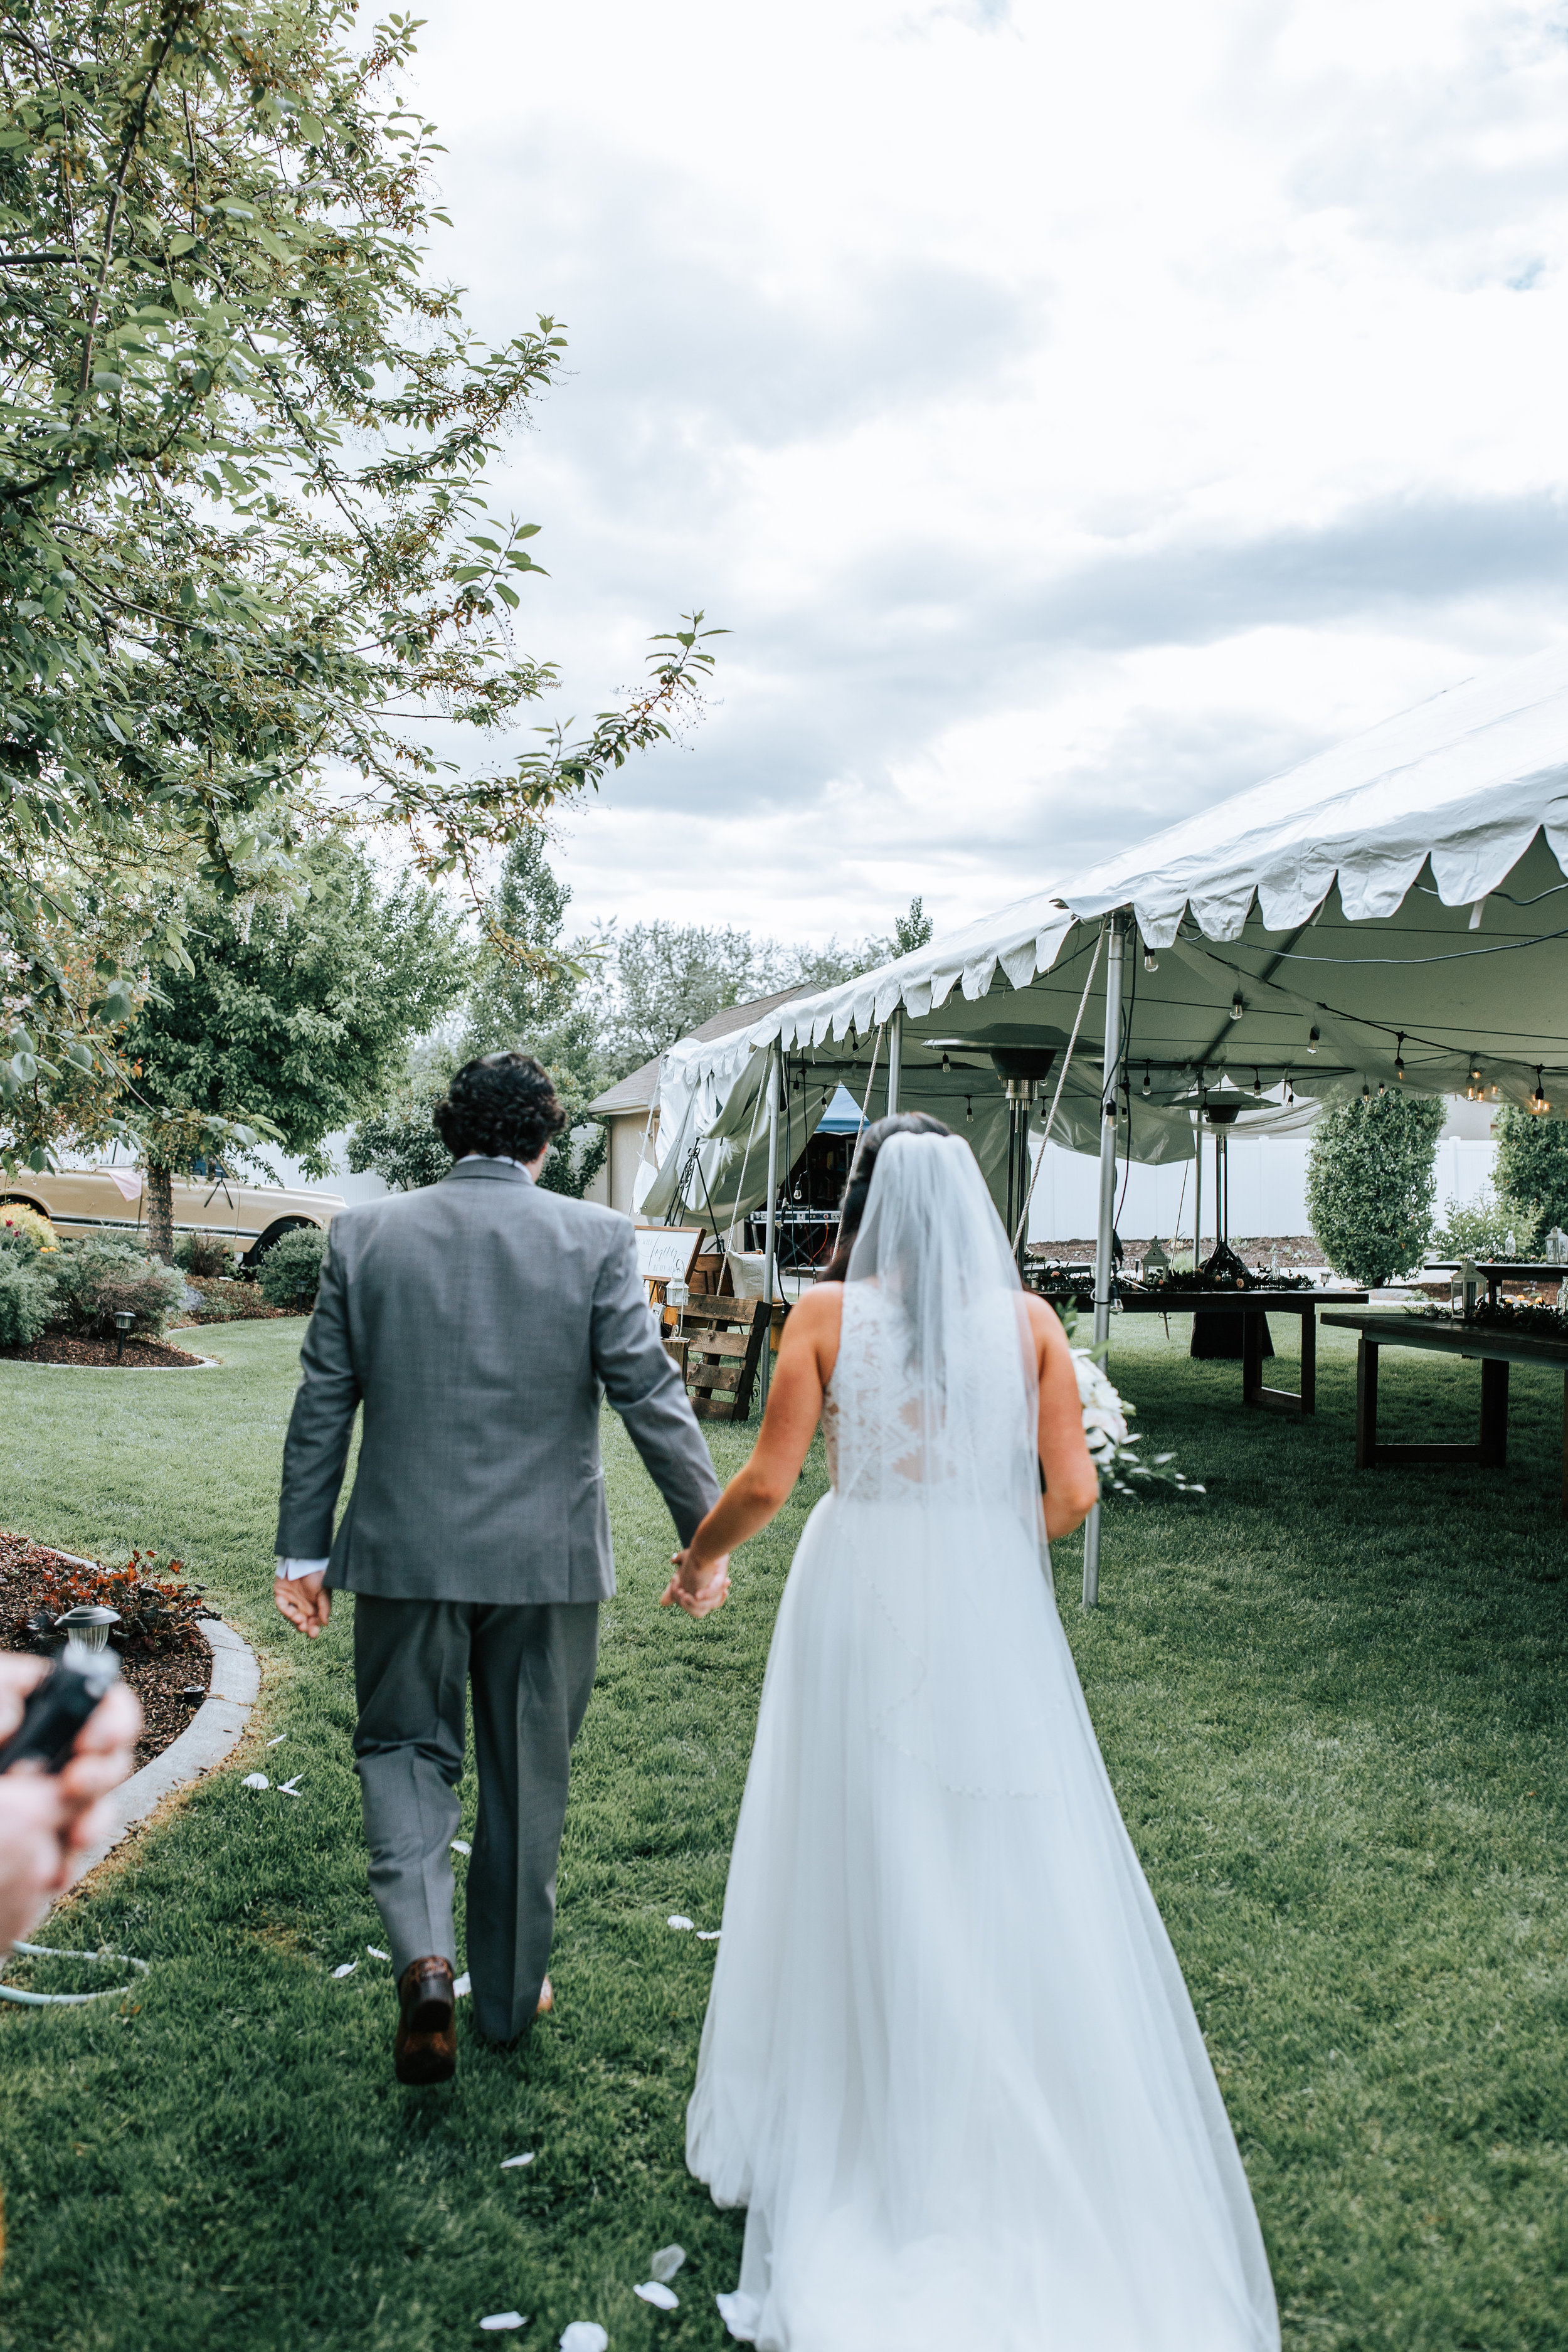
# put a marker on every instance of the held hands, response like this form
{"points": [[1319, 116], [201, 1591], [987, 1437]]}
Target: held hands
{"points": [[699, 1590], [305, 1602]]}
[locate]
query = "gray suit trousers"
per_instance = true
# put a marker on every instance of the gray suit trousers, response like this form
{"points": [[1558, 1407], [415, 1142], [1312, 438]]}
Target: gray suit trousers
{"points": [[531, 1669]]}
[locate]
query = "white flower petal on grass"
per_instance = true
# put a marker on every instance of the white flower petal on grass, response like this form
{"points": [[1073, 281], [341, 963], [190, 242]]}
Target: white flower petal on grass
{"points": [[677, 1919], [461, 1845], [462, 1988], [290, 1787], [511, 2163], [347, 1969], [584, 2336], [256, 1780], [376, 1953], [499, 2319], [658, 2294], [709, 1935], [278, 1741], [666, 2262]]}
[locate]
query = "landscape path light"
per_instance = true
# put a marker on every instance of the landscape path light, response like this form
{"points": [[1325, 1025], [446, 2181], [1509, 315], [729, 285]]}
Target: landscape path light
{"points": [[123, 1319], [87, 1624]]}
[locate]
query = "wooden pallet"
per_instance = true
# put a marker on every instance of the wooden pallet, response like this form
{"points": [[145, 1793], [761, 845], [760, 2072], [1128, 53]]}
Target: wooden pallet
{"points": [[723, 1339]]}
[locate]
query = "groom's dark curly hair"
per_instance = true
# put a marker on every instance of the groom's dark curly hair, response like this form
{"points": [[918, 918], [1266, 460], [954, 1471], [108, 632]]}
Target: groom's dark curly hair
{"points": [[503, 1104], [852, 1207]]}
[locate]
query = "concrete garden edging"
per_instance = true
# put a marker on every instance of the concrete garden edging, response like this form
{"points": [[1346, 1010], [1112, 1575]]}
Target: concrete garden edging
{"points": [[215, 1729]]}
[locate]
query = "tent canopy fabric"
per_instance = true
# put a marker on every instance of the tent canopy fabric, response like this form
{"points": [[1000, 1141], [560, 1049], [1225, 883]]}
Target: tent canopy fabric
{"points": [[1393, 911]]}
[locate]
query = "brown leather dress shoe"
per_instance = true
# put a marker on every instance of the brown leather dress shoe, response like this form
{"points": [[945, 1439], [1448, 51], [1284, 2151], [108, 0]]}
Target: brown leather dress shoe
{"points": [[426, 2049]]}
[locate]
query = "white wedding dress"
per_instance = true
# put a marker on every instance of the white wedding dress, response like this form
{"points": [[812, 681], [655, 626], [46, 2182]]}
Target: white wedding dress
{"points": [[950, 2066]]}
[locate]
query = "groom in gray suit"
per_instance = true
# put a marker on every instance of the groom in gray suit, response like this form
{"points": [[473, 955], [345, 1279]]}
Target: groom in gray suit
{"points": [[479, 1322]]}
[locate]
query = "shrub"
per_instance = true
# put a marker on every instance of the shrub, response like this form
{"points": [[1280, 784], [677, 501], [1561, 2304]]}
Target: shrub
{"points": [[19, 1223], [573, 1160], [1483, 1228], [204, 1254], [290, 1271], [96, 1279], [1532, 1167], [26, 1299], [1371, 1183]]}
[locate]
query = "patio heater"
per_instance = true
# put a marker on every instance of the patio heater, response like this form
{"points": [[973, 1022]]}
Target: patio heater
{"points": [[1022, 1070]]}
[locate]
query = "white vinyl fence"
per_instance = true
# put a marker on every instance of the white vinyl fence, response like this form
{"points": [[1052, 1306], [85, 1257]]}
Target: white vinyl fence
{"points": [[1268, 1190]]}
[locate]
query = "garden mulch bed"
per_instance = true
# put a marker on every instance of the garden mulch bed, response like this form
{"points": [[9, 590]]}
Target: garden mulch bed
{"points": [[224, 1300], [141, 1355], [169, 1689]]}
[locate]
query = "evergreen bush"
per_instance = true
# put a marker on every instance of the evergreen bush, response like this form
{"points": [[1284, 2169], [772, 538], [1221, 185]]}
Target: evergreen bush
{"points": [[1371, 1183], [94, 1280], [26, 1299], [1532, 1170], [290, 1271]]}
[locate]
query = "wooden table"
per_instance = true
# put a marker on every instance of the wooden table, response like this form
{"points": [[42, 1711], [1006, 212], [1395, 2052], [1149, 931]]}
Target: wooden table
{"points": [[1252, 1305], [1494, 1349]]}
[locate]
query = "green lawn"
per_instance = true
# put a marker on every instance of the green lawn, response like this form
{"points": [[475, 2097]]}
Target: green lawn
{"points": [[1333, 1706]]}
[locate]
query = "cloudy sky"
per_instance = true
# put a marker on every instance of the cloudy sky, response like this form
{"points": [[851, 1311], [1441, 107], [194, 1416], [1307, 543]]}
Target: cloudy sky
{"points": [[1073, 414]]}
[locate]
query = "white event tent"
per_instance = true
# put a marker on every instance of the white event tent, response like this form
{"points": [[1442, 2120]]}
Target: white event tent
{"points": [[1393, 911]]}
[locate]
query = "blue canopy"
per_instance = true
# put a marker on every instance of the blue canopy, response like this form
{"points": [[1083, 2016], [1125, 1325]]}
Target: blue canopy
{"points": [[842, 1115]]}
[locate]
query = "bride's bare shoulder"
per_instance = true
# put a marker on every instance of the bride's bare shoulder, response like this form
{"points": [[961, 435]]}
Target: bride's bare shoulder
{"points": [[818, 1311]]}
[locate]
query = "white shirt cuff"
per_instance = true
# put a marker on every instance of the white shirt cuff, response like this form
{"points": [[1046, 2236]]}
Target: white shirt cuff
{"points": [[293, 1568]]}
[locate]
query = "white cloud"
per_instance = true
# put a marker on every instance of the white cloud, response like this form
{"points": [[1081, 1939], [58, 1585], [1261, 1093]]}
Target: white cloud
{"points": [[1073, 414]]}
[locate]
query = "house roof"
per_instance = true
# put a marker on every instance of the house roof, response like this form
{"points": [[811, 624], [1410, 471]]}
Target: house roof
{"points": [[639, 1090]]}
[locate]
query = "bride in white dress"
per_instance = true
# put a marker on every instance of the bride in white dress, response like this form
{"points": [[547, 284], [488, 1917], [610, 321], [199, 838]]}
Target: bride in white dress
{"points": [[950, 2066]]}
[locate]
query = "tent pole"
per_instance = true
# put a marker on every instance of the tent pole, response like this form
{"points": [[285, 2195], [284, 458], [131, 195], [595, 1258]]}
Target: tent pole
{"points": [[770, 1244], [1103, 1265], [895, 1058], [1198, 1194]]}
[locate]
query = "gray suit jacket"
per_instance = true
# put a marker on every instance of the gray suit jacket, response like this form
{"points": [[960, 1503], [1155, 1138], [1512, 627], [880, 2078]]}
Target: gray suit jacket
{"points": [[481, 1321]]}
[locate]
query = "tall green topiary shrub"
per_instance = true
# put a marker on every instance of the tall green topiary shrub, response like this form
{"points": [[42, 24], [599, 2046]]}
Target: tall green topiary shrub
{"points": [[26, 1299], [1371, 1183], [1531, 1171]]}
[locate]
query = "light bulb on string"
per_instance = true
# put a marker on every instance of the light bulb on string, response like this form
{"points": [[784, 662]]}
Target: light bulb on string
{"points": [[1151, 961], [1290, 1094], [1236, 1007], [1381, 1088], [1537, 1102], [968, 1107], [1399, 1059], [1365, 1091], [1313, 1041], [946, 1064], [1256, 1083], [1145, 1088]]}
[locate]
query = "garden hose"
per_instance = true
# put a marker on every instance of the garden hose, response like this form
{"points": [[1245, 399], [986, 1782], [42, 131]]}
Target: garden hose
{"points": [[66, 2000]]}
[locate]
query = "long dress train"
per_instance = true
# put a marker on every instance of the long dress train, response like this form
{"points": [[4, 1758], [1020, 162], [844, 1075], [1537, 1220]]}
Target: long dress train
{"points": [[949, 2065]]}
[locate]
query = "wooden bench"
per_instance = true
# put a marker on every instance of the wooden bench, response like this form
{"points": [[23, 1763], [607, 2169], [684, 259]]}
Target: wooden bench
{"points": [[722, 1340]]}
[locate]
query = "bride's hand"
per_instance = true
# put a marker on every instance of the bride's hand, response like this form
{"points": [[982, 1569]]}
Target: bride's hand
{"points": [[696, 1590]]}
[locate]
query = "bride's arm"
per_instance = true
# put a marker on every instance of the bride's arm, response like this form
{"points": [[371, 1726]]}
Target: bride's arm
{"points": [[1072, 1483], [807, 1353]]}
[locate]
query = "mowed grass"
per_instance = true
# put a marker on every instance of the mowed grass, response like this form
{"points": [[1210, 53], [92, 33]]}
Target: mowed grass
{"points": [[1332, 1709]]}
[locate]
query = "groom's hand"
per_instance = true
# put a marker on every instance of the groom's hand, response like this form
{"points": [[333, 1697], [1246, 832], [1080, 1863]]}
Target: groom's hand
{"points": [[697, 1590], [305, 1602]]}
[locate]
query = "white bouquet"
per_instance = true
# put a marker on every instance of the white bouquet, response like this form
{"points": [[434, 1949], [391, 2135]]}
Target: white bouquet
{"points": [[1115, 1454]]}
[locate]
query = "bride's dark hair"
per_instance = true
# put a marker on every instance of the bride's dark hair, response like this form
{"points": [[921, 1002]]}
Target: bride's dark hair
{"points": [[852, 1208]]}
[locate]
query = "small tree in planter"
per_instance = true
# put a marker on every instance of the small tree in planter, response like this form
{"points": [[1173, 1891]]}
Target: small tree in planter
{"points": [[1372, 1183]]}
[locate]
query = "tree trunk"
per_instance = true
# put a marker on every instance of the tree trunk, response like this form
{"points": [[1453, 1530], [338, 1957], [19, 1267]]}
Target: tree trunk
{"points": [[161, 1212]]}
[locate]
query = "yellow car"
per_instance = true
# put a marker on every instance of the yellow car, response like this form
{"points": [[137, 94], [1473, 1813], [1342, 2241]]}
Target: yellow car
{"points": [[247, 1217]]}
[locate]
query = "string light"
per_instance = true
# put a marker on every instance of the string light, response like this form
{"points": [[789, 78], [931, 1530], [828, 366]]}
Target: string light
{"points": [[1290, 1094], [1537, 1102], [946, 1064], [1151, 961], [968, 1107], [1145, 1086], [1256, 1083], [1236, 1007], [1365, 1091], [1313, 1041], [1399, 1059]]}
